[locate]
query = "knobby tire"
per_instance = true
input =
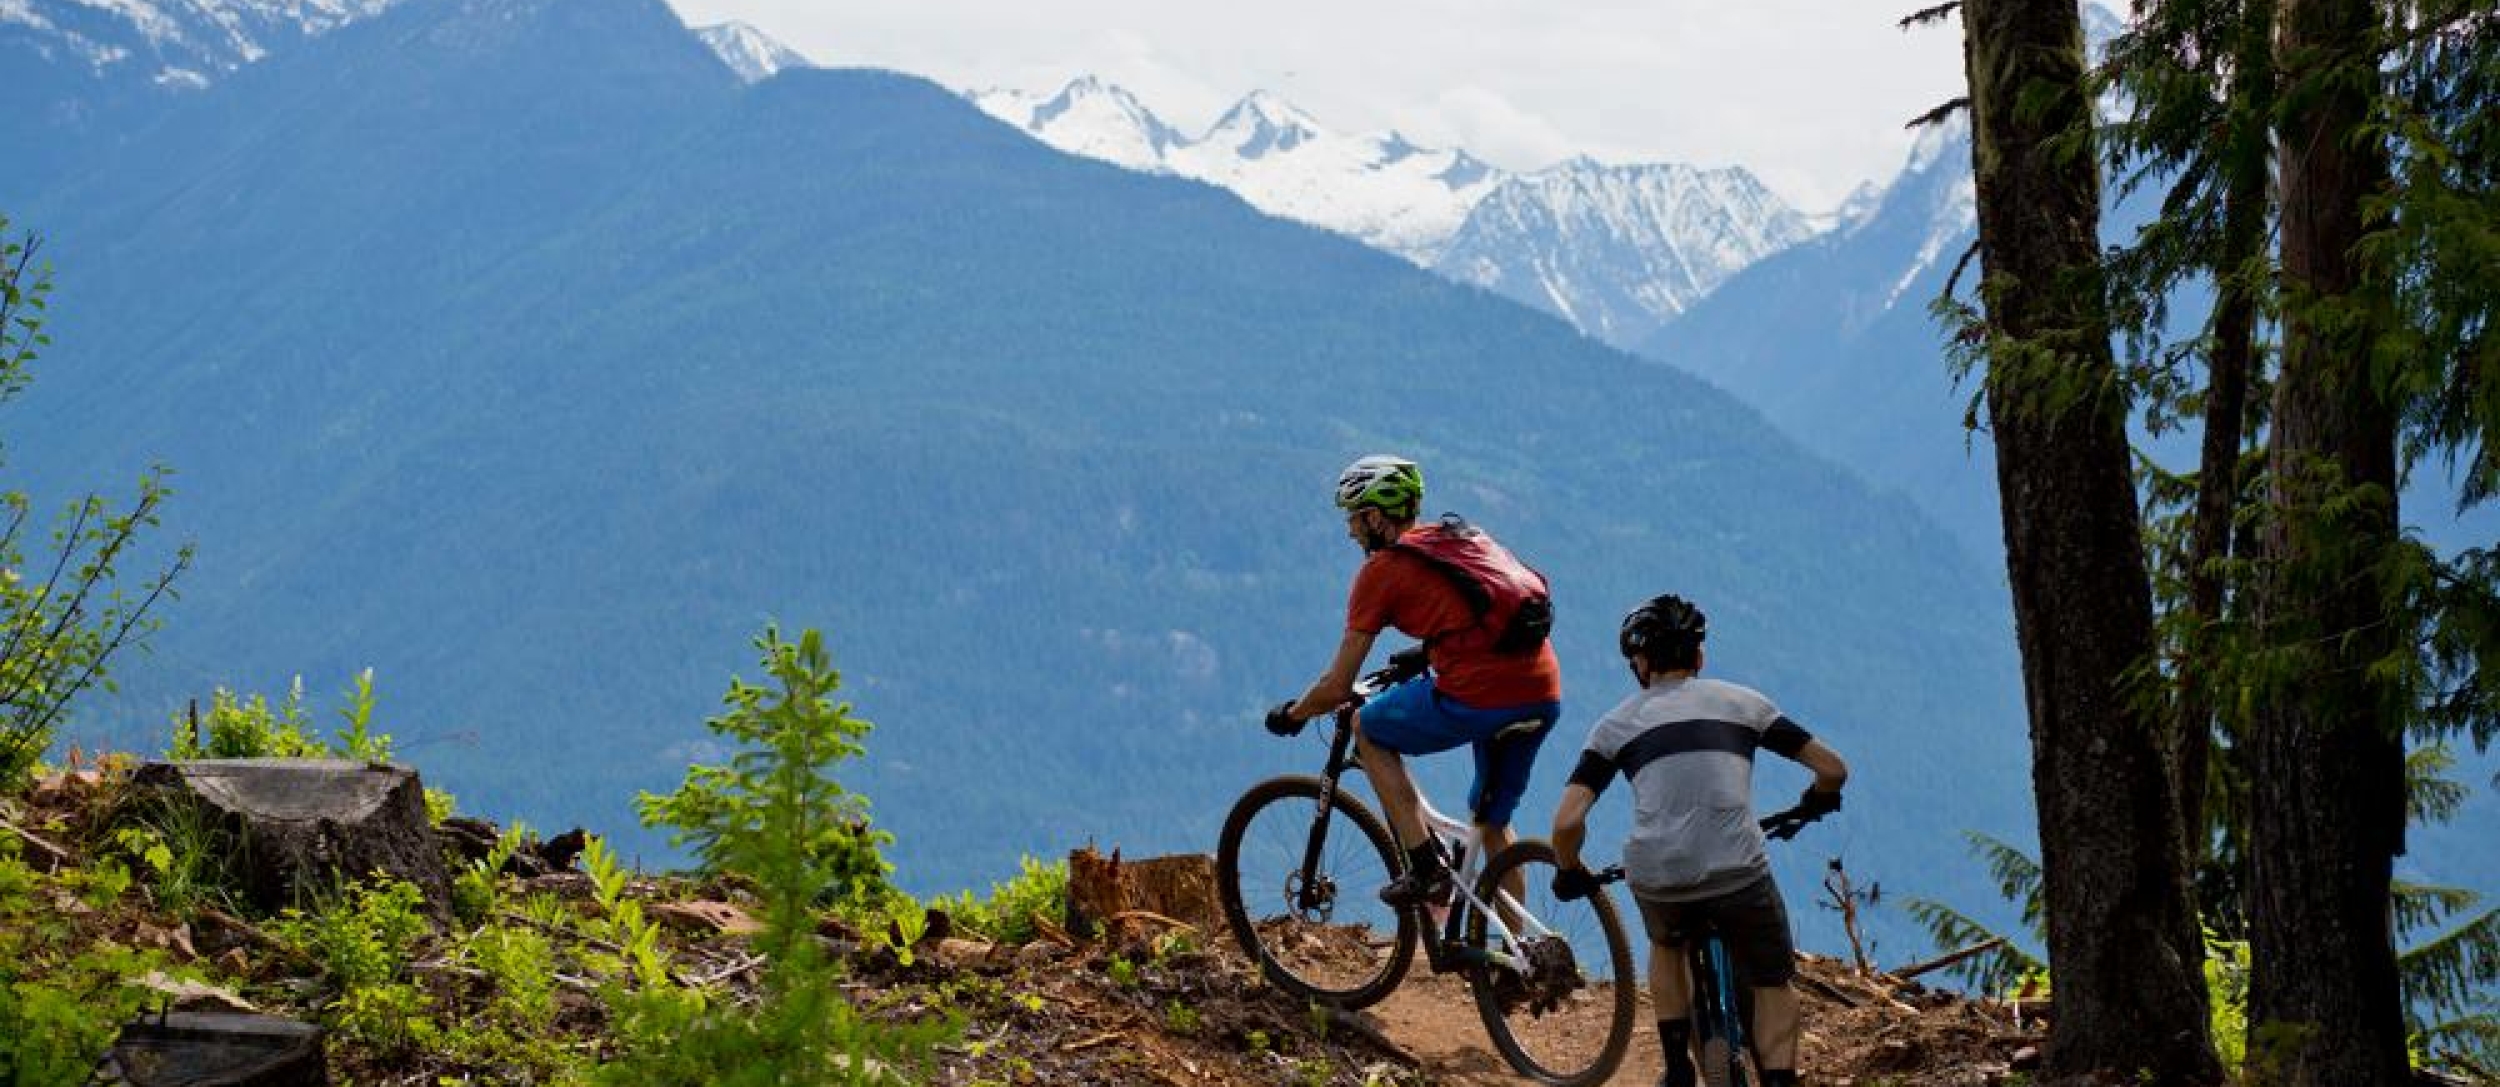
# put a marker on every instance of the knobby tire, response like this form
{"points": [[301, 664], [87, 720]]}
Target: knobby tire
{"points": [[1580, 1042], [1342, 962]]}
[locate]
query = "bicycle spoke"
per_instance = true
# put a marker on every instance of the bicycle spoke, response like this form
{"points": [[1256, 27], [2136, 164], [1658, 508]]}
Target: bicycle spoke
{"points": [[1337, 942], [1564, 1015]]}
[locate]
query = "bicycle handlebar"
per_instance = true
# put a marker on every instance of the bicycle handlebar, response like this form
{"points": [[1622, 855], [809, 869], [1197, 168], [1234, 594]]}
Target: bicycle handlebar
{"points": [[1784, 825]]}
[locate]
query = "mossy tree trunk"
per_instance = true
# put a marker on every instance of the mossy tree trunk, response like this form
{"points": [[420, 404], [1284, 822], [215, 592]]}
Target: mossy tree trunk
{"points": [[2326, 757], [2122, 936]]}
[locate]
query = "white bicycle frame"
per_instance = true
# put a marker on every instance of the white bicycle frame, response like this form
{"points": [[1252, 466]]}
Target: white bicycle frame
{"points": [[1505, 948]]}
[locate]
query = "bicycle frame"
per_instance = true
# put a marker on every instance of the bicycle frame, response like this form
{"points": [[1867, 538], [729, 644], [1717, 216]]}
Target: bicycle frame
{"points": [[1718, 1005], [1462, 841]]}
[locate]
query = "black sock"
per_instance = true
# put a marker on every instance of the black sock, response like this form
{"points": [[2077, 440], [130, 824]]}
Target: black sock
{"points": [[1779, 1077], [1675, 1039], [1424, 859]]}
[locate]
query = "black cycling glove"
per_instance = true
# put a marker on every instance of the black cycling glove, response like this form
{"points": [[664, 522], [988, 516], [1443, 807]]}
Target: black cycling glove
{"points": [[1817, 803], [1281, 721], [1574, 884]]}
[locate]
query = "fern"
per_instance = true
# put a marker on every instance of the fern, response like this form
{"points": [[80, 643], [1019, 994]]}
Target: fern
{"points": [[1996, 971]]}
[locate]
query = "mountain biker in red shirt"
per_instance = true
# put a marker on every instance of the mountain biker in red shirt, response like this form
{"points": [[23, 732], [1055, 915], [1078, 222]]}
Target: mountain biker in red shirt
{"points": [[1685, 745], [1500, 702]]}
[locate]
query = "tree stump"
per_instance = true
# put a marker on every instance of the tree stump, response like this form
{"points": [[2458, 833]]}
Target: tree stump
{"points": [[215, 1050], [296, 828], [1127, 901]]}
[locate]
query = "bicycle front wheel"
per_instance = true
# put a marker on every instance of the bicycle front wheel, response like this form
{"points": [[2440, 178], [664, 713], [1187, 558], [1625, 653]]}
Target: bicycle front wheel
{"points": [[1313, 919], [1556, 987]]}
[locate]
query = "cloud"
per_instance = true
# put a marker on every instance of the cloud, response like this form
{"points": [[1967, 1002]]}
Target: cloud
{"points": [[1489, 124], [1809, 92]]}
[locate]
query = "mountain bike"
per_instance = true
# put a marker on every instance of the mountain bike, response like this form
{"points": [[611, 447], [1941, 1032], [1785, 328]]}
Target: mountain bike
{"points": [[1552, 980], [1722, 1003]]}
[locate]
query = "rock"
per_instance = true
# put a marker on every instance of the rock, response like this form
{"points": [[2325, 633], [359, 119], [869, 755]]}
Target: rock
{"points": [[305, 825], [705, 918], [192, 996], [2026, 1058], [188, 1049], [960, 953], [175, 940]]}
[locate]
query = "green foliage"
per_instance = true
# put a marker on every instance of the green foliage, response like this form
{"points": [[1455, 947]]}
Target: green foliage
{"points": [[357, 740], [2450, 979], [1996, 971], [62, 996], [181, 852], [520, 964], [774, 813], [1007, 915], [1179, 1018], [477, 890], [60, 628], [2226, 991], [776, 817], [52, 1029], [364, 942], [621, 922], [237, 727]]}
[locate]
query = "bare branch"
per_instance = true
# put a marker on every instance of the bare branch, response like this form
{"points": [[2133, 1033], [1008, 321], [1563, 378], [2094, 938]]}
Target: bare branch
{"points": [[1940, 114], [1925, 16], [121, 634]]}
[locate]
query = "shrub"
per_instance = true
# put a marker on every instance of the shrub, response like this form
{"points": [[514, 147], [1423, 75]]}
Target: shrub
{"points": [[774, 815], [1038, 890]]}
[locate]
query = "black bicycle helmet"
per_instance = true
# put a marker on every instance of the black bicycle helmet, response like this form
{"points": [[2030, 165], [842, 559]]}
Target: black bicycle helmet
{"points": [[1662, 620]]}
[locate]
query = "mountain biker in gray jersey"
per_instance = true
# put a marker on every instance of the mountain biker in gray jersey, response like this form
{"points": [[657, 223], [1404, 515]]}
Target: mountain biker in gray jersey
{"points": [[1696, 852]]}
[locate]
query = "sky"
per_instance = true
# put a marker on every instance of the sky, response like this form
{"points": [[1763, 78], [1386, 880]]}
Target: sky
{"points": [[1810, 95]]}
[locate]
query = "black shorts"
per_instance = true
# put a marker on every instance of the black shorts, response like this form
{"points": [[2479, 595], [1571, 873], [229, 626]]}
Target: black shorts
{"points": [[1751, 919]]}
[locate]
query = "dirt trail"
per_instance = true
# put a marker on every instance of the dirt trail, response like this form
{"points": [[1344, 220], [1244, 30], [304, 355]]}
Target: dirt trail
{"points": [[1858, 1030], [1433, 1018]]}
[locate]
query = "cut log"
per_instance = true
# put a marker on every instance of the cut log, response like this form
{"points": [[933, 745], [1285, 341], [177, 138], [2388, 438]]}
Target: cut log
{"points": [[1125, 901], [199, 1050], [301, 827], [1948, 959]]}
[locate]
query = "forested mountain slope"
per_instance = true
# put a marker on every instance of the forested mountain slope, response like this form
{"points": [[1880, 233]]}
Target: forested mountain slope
{"points": [[519, 351]]}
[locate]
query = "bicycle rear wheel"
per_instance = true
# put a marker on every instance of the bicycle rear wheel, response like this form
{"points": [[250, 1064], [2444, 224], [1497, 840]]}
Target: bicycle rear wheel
{"points": [[1720, 1017], [1565, 1019], [1338, 943]]}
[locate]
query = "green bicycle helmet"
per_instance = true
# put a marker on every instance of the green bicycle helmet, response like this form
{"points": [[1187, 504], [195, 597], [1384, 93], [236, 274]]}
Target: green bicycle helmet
{"points": [[1392, 485]]}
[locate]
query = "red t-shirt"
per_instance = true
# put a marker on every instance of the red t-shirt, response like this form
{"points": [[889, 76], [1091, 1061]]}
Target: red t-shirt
{"points": [[1395, 589]]}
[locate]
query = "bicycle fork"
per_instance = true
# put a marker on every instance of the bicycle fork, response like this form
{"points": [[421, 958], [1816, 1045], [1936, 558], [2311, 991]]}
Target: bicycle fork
{"points": [[1311, 896]]}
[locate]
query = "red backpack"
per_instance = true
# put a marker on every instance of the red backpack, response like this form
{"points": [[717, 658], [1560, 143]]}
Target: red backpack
{"points": [[1509, 597]]}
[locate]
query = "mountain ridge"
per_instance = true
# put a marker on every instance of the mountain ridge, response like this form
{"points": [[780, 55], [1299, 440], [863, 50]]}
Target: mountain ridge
{"points": [[544, 430], [1531, 237]]}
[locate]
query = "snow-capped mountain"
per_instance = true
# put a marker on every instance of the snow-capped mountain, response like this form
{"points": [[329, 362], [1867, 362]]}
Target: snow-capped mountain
{"points": [[751, 53], [1090, 118], [1619, 250], [1382, 190], [173, 44]]}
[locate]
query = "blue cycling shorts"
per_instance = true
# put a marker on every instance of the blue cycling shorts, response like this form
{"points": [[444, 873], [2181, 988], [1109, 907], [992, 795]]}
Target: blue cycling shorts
{"points": [[1413, 718]]}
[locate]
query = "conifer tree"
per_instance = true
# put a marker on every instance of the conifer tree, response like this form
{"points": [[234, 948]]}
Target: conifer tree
{"points": [[2122, 933]]}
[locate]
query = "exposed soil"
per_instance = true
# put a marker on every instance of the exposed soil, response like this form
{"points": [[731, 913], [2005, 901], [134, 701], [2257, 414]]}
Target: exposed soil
{"points": [[1182, 1009]]}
